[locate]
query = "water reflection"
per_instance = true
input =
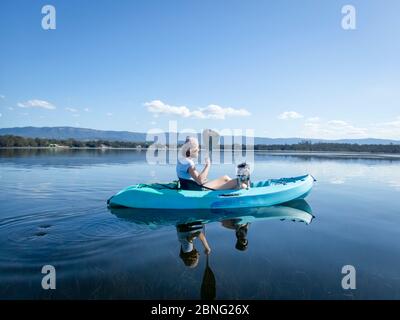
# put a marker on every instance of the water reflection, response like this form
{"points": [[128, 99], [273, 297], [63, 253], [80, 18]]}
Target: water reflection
{"points": [[191, 229], [296, 210], [67, 158], [208, 289], [187, 233], [335, 168], [240, 229], [53, 211]]}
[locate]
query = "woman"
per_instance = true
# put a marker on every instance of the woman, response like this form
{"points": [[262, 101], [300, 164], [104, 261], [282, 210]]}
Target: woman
{"points": [[191, 179]]}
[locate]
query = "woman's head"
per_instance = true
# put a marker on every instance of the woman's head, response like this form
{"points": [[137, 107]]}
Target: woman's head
{"points": [[190, 148], [190, 259]]}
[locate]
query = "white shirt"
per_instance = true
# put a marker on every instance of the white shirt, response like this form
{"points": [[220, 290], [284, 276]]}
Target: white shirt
{"points": [[182, 168]]}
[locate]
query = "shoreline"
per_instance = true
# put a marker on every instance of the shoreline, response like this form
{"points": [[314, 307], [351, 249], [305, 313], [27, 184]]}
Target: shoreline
{"points": [[269, 152]]}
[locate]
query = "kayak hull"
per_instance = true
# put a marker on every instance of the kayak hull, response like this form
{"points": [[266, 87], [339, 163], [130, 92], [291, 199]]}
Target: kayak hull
{"points": [[261, 194]]}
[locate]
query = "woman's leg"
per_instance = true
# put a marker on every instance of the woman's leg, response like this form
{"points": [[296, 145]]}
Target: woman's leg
{"points": [[222, 183]]}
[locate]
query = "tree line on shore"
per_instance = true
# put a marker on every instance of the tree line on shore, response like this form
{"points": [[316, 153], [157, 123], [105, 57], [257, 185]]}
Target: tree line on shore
{"points": [[332, 147], [9, 141]]}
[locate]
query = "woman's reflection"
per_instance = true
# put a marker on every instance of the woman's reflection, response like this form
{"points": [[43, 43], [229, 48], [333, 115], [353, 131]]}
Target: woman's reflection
{"points": [[187, 233]]}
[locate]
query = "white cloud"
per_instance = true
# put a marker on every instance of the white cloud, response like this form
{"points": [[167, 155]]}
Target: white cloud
{"points": [[212, 111], [109, 114], [391, 124], [1, 115], [339, 129], [10, 108], [313, 119], [2, 96], [86, 110], [73, 110], [35, 103], [390, 129], [338, 123], [333, 129], [290, 115], [157, 107]]}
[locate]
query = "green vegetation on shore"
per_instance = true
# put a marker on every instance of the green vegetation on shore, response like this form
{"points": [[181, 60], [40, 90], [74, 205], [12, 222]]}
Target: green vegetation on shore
{"points": [[332, 147], [9, 141]]}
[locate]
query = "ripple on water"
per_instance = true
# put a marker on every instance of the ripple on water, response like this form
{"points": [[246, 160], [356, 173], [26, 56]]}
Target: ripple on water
{"points": [[63, 237], [110, 229]]}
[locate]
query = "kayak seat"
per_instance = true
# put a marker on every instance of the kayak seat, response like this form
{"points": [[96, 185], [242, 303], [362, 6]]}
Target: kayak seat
{"points": [[187, 184], [260, 184]]}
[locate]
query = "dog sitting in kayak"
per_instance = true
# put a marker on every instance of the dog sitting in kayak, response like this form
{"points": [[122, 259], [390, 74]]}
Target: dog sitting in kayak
{"points": [[191, 179], [243, 175]]}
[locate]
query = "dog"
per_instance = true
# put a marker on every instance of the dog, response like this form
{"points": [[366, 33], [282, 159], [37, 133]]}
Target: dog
{"points": [[243, 175]]}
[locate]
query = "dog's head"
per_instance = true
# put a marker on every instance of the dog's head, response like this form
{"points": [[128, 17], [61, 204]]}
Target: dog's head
{"points": [[243, 171]]}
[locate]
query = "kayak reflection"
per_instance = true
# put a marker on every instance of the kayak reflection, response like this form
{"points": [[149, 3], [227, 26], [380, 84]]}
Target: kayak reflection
{"points": [[296, 210], [190, 225]]}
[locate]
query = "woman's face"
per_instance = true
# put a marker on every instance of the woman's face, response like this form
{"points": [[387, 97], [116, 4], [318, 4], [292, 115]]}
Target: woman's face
{"points": [[194, 153]]}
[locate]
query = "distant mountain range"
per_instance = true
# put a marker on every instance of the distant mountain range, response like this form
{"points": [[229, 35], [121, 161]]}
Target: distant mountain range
{"points": [[92, 134]]}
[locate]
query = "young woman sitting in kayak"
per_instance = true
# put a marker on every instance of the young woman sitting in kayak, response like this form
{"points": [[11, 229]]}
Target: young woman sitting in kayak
{"points": [[191, 179]]}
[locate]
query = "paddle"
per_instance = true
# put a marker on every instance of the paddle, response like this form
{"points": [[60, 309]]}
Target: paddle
{"points": [[208, 285]]}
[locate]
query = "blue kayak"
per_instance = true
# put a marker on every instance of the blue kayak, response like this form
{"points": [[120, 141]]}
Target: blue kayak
{"points": [[169, 196]]}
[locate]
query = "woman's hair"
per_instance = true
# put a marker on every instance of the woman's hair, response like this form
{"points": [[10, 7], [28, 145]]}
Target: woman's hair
{"points": [[190, 259], [190, 144]]}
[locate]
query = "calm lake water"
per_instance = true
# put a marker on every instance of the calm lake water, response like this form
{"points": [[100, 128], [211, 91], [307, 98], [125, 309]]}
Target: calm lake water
{"points": [[53, 212]]}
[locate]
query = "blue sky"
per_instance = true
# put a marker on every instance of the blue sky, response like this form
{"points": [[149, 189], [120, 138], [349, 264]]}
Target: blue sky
{"points": [[282, 68]]}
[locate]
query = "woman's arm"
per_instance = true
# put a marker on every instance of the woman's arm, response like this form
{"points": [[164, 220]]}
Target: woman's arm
{"points": [[201, 177], [203, 240]]}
